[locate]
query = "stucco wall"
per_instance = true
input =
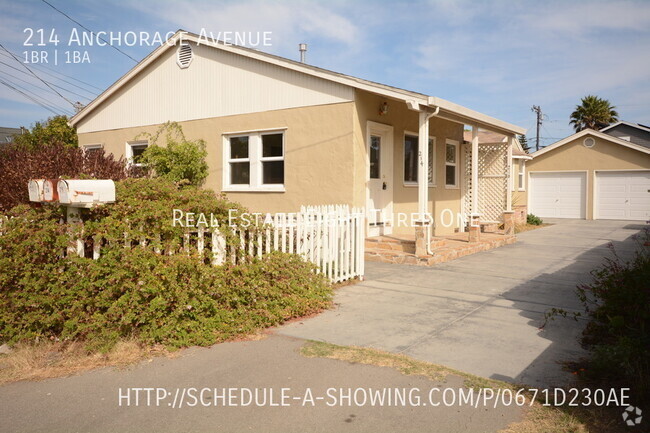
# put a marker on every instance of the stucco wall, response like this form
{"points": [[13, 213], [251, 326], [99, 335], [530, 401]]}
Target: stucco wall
{"points": [[574, 156], [405, 198], [318, 153], [519, 198]]}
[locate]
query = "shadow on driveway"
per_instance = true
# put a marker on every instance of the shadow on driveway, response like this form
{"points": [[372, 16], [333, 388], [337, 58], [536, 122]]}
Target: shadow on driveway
{"points": [[482, 313]]}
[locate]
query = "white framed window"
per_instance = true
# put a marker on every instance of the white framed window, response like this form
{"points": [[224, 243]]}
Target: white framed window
{"points": [[134, 151], [92, 147], [451, 164], [411, 160], [521, 175], [254, 161]]}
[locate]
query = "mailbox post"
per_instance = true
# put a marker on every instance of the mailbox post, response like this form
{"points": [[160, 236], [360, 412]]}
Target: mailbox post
{"points": [[74, 195]]}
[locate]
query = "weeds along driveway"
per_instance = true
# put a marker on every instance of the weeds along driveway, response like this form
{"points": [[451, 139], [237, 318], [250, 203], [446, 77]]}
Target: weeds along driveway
{"points": [[482, 313]]}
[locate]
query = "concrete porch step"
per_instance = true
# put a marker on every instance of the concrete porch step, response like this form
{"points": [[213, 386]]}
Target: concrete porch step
{"points": [[490, 226], [448, 250], [401, 244]]}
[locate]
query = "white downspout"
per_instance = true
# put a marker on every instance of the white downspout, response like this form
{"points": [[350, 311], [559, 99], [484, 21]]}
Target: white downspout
{"points": [[423, 177]]}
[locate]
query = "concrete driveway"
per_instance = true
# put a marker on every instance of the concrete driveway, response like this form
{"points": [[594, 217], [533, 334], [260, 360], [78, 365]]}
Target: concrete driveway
{"points": [[482, 313]]}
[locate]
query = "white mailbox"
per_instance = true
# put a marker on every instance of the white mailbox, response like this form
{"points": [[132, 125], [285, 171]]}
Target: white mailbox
{"points": [[35, 188], [85, 193], [50, 192]]}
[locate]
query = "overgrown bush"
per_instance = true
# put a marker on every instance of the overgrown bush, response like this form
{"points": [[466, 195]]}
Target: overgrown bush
{"points": [[54, 131], [180, 160], [533, 220], [20, 163], [618, 303], [145, 206], [174, 300]]}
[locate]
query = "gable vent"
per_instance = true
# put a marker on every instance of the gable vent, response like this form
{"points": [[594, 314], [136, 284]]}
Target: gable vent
{"points": [[184, 55]]}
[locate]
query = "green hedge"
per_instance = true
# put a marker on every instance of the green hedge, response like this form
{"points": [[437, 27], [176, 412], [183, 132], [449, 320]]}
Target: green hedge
{"points": [[172, 300]]}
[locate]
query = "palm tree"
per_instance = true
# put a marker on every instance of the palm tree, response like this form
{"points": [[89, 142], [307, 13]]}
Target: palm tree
{"points": [[594, 113]]}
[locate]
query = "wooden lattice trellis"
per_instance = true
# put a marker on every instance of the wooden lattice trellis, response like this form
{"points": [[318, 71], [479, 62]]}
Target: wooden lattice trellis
{"points": [[493, 180]]}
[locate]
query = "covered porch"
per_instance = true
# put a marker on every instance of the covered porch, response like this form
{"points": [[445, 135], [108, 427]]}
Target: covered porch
{"points": [[483, 201]]}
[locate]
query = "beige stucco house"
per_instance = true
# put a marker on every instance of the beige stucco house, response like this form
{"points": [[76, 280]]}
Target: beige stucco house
{"points": [[590, 175], [281, 134]]}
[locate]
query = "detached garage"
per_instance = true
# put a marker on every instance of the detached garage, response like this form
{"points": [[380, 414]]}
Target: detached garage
{"points": [[559, 194], [623, 195], [590, 175]]}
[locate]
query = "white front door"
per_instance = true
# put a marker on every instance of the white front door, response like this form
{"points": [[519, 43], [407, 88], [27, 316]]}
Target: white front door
{"points": [[623, 195], [558, 194], [379, 207]]}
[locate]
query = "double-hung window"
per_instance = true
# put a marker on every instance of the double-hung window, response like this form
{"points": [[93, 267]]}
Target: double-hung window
{"points": [[95, 147], [451, 164], [521, 175], [134, 151], [254, 161], [412, 160]]}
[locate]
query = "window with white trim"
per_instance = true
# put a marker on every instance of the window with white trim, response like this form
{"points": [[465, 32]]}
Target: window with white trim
{"points": [[87, 148], [521, 175], [411, 160], [451, 164], [134, 151], [254, 161]]}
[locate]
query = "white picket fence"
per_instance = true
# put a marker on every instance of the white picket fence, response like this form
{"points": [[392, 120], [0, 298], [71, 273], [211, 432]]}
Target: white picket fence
{"points": [[332, 237]]}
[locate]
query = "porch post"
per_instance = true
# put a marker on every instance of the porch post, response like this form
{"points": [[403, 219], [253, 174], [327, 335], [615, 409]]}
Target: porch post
{"points": [[474, 169], [511, 142], [423, 171]]}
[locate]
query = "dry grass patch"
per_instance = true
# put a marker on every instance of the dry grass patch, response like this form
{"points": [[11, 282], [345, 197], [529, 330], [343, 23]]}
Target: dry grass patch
{"points": [[53, 359], [401, 363], [544, 419], [536, 418]]}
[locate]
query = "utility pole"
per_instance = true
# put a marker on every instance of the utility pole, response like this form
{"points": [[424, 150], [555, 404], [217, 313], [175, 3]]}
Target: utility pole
{"points": [[537, 110]]}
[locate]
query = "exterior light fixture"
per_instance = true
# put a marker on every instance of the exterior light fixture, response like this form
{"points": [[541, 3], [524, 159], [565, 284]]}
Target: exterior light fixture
{"points": [[383, 109]]}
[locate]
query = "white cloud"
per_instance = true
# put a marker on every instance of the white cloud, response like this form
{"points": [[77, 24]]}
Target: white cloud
{"points": [[286, 20], [581, 18]]}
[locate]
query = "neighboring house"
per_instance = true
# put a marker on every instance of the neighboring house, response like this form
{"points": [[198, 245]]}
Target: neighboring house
{"points": [[7, 134], [281, 134], [592, 175], [632, 132]]}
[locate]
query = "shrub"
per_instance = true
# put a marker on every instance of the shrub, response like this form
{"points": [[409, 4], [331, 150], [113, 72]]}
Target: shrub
{"points": [[533, 220], [174, 300], [54, 131], [179, 160], [618, 303], [145, 207], [18, 164]]}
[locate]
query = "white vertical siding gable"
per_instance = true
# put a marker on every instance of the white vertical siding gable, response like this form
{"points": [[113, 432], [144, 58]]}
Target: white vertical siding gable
{"points": [[217, 83]]}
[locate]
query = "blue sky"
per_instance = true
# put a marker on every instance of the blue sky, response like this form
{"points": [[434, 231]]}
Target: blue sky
{"points": [[497, 57]]}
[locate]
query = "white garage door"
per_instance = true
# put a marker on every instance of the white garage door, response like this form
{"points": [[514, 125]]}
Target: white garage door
{"points": [[623, 195], [558, 194]]}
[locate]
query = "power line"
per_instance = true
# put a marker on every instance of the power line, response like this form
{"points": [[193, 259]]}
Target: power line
{"points": [[55, 85], [34, 74], [45, 70], [41, 88], [40, 98], [87, 29], [29, 97], [51, 72]]}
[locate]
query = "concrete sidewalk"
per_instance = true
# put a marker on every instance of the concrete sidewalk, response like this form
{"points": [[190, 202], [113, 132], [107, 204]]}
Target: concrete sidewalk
{"points": [[482, 313], [90, 402]]}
